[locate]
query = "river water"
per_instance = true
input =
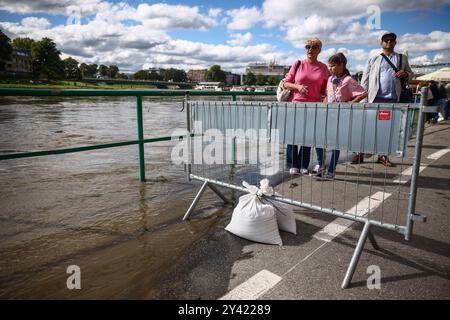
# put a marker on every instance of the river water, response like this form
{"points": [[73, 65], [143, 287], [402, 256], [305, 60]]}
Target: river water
{"points": [[88, 208]]}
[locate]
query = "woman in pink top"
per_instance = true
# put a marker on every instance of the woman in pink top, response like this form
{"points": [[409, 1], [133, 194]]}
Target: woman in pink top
{"points": [[307, 85]]}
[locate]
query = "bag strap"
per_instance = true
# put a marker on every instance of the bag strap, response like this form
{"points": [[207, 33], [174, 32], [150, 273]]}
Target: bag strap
{"points": [[402, 80], [390, 62], [296, 68]]}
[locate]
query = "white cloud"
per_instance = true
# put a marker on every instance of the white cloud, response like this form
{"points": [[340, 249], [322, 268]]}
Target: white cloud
{"points": [[52, 6], [281, 12], [434, 41], [33, 22], [167, 17], [239, 39], [426, 59], [215, 12], [130, 47], [337, 22], [243, 18]]}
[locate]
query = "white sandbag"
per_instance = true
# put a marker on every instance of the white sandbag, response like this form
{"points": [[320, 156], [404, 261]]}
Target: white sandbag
{"points": [[255, 221], [253, 218], [283, 211], [285, 217]]}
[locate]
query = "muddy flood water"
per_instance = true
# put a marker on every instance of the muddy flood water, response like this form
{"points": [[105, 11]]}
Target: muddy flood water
{"points": [[88, 208]]}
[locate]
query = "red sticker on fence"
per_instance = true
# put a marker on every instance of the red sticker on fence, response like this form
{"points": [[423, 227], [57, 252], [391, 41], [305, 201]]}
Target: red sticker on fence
{"points": [[384, 115]]}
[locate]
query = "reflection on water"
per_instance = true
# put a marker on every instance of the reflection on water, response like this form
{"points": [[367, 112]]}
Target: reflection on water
{"points": [[88, 208]]}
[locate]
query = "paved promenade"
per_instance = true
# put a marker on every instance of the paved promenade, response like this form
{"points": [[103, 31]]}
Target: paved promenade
{"points": [[312, 264]]}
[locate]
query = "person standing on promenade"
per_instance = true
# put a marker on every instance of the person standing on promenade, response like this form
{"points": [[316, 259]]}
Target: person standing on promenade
{"points": [[382, 82], [341, 87], [308, 84]]}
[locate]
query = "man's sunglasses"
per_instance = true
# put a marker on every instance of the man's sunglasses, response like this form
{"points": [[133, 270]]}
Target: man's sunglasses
{"points": [[389, 39], [314, 47]]}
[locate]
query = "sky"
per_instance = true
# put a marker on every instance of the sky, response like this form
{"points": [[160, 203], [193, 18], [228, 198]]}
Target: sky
{"points": [[191, 34]]}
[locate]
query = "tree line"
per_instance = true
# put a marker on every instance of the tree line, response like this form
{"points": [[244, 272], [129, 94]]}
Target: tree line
{"points": [[215, 73], [46, 61], [259, 79]]}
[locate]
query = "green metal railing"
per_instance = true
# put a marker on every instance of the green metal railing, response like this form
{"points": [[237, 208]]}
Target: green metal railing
{"points": [[116, 93]]}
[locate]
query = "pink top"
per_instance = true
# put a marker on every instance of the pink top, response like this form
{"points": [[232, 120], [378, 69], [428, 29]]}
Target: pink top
{"points": [[314, 76], [345, 90]]}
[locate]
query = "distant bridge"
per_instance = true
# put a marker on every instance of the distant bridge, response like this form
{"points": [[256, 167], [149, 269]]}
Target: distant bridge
{"points": [[428, 68], [158, 84]]}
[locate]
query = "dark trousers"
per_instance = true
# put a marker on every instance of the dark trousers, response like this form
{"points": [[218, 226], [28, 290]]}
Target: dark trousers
{"points": [[299, 158], [333, 161]]}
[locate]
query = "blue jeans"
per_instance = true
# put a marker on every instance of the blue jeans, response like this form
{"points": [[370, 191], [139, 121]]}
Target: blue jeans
{"points": [[299, 159], [334, 158]]}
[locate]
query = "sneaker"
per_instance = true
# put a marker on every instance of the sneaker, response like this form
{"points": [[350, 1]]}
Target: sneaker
{"points": [[326, 175], [384, 160], [304, 171], [358, 158], [317, 170], [293, 171]]}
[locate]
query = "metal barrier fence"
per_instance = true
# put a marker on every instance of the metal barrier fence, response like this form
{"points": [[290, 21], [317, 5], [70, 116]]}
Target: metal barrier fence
{"points": [[365, 192], [138, 94]]}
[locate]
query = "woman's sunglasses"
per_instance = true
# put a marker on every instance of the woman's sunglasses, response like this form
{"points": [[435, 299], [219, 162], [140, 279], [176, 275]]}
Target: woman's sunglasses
{"points": [[314, 47]]}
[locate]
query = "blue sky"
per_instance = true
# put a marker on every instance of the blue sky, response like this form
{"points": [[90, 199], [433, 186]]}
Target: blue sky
{"points": [[138, 34]]}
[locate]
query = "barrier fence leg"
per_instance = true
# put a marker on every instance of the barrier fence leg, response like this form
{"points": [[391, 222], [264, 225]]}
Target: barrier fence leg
{"points": [[416, 166], [199, 195], [356, 255], [373, 241], [220, 194], [196, 199]]}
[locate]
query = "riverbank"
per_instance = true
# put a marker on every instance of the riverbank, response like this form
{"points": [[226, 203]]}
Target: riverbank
{"points": [[71, 85]]}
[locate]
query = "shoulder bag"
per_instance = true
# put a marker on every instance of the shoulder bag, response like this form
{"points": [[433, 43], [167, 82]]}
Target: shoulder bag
{"points": [[283, 93]]}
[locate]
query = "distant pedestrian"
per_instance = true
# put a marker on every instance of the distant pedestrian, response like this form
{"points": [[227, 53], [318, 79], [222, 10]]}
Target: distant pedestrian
{"points": [[382, 80], [443, 99], [433, 100]]}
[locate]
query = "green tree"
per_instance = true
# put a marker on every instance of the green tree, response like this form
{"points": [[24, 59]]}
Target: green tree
{"points": [[93, 70], [46, 60], [71, 70], [103, 70], [273, 81], [84, 69], [88, 70], [250, 79], [180, 76], [260, 79], [5, 49], [169, 74], [141, 75], [122, 76], [175, 75], [216, 74], [113, 70], [154, 76], [23, 43]]}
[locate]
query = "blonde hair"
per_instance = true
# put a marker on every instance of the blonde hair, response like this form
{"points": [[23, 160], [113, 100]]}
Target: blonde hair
{"points": [[314, 41]]}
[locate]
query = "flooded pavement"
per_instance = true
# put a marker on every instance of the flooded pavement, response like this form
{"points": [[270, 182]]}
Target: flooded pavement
{"points": [[89, 208]]}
